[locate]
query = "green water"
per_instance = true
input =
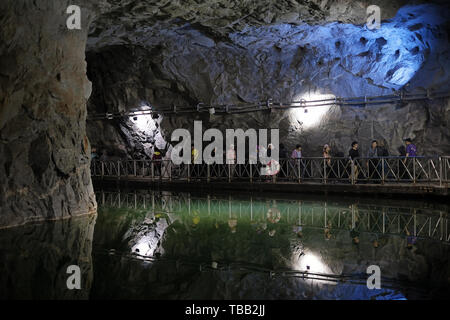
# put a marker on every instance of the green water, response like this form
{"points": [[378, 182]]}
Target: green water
{"points": [[171, 245]]}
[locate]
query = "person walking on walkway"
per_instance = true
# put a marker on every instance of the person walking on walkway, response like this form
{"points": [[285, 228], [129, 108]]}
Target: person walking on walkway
{"points": [[296, 157], [353, 154], [372, 163]]}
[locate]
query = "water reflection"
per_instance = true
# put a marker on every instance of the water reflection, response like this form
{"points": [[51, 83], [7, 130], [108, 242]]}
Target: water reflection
{"points": [[179, 245], [171, 245], [34, 259]]}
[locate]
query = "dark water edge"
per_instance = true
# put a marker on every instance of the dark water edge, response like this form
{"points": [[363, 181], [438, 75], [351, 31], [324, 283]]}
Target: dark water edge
{"points": [[228, 246]]}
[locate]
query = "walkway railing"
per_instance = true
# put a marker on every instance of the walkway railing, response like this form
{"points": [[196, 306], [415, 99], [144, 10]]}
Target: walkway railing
{"points": [[429, 170]]}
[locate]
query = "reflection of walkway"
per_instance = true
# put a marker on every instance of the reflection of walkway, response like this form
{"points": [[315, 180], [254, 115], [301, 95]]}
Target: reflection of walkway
{"points": [[374, 219]]}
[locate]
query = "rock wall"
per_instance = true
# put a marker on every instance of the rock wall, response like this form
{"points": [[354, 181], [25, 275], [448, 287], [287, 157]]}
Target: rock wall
{"points": [[177, 62], [44, 150]]}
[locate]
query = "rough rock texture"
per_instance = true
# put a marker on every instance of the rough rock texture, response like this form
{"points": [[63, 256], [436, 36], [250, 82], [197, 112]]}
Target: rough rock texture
{"points": [[44, 150], [173, 60], [34, 259]]}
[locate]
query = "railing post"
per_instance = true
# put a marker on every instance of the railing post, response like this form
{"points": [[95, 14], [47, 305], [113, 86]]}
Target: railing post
{"points": [[324, 171], [153, 170], [134, 165], [188, 172], [251, 172], [440, 171], [414, 170], [103, 169], [118, 169], [382, 171], [208, 173], [352, 171], [229, 172], [299, 170]]}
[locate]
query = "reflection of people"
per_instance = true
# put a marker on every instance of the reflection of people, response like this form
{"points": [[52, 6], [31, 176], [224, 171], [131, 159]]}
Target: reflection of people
{"points": [[375, 241], [354, 235], [232, 223], [410, 240], [273, 215], [327, 231], [298, 230], [261, 227]]}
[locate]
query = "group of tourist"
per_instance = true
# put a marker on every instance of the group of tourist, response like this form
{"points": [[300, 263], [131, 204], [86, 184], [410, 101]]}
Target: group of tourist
{"points": [[301, 167], [377, 149]]}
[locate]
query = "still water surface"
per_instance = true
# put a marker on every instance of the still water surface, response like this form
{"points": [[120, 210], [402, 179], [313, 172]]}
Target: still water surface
{"points": [[172, 245]]}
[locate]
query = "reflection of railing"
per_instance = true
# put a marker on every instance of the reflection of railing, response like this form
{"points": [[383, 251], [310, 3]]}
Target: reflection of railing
{"points": [[373, 219], [431, 170]]}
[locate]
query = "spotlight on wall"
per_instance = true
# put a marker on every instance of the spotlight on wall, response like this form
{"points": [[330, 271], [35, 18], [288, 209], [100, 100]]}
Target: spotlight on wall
{"points": [[212, 111], [311, 115]]}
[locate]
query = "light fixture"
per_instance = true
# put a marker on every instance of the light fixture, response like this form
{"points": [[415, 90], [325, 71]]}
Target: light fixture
{"points": [[311, 115], [212, 111]]}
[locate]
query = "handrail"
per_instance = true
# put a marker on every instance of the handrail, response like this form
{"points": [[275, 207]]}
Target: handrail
{"points": [[421, 169]]}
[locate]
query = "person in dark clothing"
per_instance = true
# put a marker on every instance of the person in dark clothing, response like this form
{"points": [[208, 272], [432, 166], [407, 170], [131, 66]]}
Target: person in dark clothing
{"points": [[372, 163], [283, 152], [283, 155], [157, 158], [382, 150], [382, 153], [353, 154]]}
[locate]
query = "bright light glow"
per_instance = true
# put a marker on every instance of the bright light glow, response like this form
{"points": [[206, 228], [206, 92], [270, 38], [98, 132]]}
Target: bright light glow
{"points": [[313, 261], [313, 115], [145, 247], [144, 123]]}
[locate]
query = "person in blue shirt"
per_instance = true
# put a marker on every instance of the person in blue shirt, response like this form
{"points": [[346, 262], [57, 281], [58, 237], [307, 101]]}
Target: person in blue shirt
{"points": [[411, 149]]}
